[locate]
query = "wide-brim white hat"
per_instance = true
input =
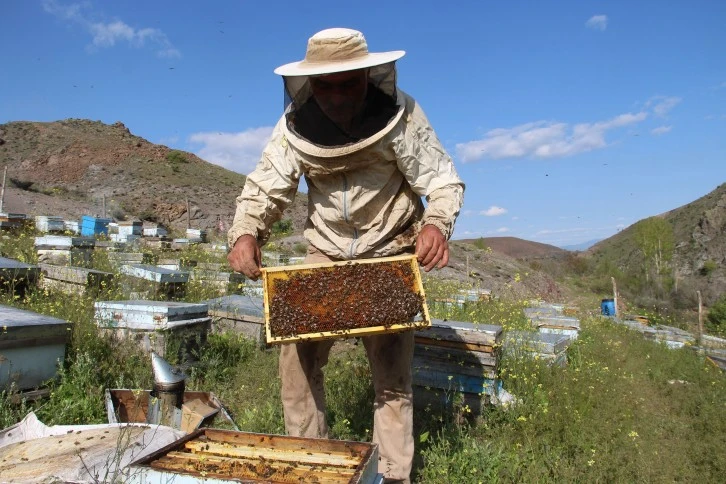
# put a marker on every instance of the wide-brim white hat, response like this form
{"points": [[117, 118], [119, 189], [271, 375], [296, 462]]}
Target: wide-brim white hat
{"points": [[337, 50]]}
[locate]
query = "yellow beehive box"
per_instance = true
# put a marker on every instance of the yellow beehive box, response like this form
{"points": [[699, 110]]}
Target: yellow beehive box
{"points": [[343, 299]]}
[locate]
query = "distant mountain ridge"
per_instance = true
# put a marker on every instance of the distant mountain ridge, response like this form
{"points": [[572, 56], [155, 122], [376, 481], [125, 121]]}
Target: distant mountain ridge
{"points": [[517, 248], [581, 246]]}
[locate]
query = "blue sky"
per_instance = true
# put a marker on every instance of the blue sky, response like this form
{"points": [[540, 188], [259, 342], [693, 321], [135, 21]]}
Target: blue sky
{"points": [[568, 120]]}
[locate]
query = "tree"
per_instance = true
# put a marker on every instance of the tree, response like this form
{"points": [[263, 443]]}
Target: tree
{"points": [[655, 240]]}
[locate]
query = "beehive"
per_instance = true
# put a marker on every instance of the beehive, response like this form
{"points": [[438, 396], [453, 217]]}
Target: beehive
{"points": [[343, 299], [229, 456]]}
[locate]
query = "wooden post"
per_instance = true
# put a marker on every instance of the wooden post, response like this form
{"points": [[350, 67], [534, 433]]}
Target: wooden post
{"points": [[2, 192], [189, 223], [700, 318], [615, 296], [104, 206], [467, 268], [675, 278]]}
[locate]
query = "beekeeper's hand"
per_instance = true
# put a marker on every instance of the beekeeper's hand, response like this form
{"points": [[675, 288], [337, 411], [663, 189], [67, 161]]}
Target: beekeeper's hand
{"points": [[432, 249], [246, 257]]}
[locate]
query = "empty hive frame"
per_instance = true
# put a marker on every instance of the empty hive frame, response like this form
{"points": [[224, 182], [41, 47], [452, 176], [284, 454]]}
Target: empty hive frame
{"points": [[343, 299]]}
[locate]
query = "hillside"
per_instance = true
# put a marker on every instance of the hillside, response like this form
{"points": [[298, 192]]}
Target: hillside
{"points": [[699, 230], [517, 248], [67, 167]]}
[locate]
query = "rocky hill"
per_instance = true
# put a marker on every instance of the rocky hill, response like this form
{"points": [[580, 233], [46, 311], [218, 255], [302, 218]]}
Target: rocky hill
{"points": [[73, 167], [699, 230]]}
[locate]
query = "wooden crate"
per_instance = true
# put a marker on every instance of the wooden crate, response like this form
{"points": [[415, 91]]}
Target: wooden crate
{"points": [[211, 455], [342, 299]]}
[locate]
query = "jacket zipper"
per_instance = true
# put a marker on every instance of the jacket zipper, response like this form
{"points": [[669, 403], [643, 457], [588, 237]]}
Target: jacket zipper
{"points": [[345, 217]]}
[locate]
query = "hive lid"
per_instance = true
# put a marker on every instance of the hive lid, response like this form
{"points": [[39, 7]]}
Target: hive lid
{"points": [[6, 263], [238, 304], [11, 317]]}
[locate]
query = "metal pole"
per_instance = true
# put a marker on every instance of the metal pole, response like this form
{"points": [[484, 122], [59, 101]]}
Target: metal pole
{"points": [[2, 192], [104, 206]]}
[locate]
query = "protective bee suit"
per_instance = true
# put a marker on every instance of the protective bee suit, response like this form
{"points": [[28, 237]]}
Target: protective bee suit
{"points": [[365, 187]]}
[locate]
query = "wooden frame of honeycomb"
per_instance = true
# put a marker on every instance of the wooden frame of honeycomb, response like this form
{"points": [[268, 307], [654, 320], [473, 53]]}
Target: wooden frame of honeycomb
{"points": [[343, 299], [230, 456]]}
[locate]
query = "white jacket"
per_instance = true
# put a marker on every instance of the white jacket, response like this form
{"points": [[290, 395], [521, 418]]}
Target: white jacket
{"points": [[364, 199]]}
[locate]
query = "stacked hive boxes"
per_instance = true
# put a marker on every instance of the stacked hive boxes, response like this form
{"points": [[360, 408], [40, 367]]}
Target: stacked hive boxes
{"points": [[550, 318], [153, 324], [197, 235], [64, 250], [547, 347], [49, 223], [32, 345], [16, 276], [154, 282], [218, 276], [239, 313], [74, 280], [12, 220], [92, 226], [121, 258], [127, 231], [456, 357], [154, 231]]}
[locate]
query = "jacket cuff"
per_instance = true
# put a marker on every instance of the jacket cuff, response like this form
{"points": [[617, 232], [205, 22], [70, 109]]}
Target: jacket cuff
{"points": [[236, 233], [443, 227]]}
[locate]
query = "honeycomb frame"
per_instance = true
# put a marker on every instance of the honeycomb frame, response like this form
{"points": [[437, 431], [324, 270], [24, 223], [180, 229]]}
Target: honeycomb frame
{"points": [[389, 266]]}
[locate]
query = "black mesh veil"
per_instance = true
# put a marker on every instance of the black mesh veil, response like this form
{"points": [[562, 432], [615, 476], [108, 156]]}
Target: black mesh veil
{"points": [[298, 91]]}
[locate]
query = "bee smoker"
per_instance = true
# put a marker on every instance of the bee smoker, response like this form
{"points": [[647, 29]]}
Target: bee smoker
{"points": [[165, 408]]}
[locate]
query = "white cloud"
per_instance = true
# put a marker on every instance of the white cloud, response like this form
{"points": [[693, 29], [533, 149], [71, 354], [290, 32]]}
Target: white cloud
{"points": [[69, 12], [467, 213], [597, 22], [515, 218], [502, 230], [238, 152], [660, 130], [169, 140], [493, 211], [543, 139], [108, 34], [663, 104]]}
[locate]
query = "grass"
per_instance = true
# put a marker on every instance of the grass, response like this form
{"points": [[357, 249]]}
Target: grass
{"points": [[623, 410]]}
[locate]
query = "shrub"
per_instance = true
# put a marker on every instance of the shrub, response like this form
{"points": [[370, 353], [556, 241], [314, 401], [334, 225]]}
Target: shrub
{"points": [[708, 267], [176, 156], [716, 320], [282, 227]]}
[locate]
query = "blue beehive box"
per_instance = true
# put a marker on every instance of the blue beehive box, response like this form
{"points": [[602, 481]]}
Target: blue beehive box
{"points": [[91, 226]]}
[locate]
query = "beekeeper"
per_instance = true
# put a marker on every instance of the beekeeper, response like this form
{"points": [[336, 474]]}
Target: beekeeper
{"points": [[368, 155]]}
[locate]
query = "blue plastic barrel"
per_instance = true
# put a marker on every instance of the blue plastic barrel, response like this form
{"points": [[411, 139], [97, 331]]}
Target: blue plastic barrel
{"points": [[607, 307]]}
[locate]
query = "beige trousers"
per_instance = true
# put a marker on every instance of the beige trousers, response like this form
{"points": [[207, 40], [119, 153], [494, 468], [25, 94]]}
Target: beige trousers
{"points": [[390, 356]]}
